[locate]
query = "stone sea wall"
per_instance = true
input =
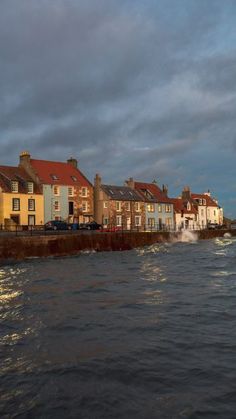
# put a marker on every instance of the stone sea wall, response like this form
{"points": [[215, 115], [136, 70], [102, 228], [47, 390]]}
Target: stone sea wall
{"points": [[20, 247]]}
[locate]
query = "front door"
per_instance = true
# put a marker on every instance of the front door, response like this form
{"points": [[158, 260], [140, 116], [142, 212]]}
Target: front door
{"points": [[31, 220], [128, 223], [71, 208]]}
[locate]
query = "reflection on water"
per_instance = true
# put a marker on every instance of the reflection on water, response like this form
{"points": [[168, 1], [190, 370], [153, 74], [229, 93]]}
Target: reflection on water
{"points": [[148, 333]]}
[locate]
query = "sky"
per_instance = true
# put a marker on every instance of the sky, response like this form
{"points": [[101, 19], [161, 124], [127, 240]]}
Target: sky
{"points": [[131, 88]]}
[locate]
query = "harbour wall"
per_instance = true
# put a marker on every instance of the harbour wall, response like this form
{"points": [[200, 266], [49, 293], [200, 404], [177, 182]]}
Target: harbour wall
{"points": [[22, 247]]}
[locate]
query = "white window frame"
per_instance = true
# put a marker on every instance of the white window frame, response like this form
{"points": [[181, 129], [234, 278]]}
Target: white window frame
{"points": [[118, 220], [30, 187], [105, 204], [84, 192], [150, 207], [84, 206], [137, 206], [15, 204], [14, 186], [70, 191], [56, 190], [137, 220], [127, 206], [118, 206], [31, 204], [56, 205]]}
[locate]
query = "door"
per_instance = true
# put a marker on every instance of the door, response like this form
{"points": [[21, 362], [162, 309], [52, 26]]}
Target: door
{"points": [[128, 223], [71, 208], [31, 220]]}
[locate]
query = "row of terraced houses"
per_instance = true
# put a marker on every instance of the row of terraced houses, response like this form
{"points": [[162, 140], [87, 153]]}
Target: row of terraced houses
{"points": [[37, 191]]}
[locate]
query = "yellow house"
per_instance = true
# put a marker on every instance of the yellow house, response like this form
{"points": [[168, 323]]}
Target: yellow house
{"points": [[21, 201]]}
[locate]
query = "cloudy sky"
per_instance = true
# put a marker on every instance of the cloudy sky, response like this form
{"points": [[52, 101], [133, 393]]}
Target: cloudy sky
{"points": [[142, 88]]}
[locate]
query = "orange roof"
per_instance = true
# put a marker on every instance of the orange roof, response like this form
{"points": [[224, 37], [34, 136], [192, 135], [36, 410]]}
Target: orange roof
{"points": [[209, 201], [180, 205], [157, 193], [58, 173]]}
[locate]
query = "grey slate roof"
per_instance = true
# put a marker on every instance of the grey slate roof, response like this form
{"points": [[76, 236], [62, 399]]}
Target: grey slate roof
{"points": [[121, 193]]}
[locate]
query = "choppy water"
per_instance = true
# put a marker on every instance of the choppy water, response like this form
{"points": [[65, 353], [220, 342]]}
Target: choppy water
{"points": [[148, 333]]}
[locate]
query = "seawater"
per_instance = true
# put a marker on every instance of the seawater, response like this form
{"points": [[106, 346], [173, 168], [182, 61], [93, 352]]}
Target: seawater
{"points": [[149, 333]]}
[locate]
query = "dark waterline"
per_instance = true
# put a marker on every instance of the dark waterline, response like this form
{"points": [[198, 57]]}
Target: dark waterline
{"points": [[149, 333]]}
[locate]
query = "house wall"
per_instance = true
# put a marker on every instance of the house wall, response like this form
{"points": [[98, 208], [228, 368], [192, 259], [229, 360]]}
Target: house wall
{"points": [[151, 215], [185, 223], [202, 216], [6, 210], [49, 202], [213, 215], [166, 218]]}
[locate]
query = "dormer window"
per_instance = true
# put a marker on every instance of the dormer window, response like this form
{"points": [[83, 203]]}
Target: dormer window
{"points": [[188, 206], [30, 187], [74, 178], [14, 186], [54, 177]]}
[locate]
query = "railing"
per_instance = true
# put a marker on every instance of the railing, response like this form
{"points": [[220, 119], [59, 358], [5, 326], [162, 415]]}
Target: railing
{"points": [[36, 230]]}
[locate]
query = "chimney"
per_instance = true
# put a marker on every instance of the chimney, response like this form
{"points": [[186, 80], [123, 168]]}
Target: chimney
{"points": [[208, 193], [24, 158], [186, 194], [130, 183], [73, 162], [98, 202], [97, 181], [165, 190]]}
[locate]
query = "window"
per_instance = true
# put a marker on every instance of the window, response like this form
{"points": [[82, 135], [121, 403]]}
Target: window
{"points": [[56, 190], [150, 207], [137, 206], [31, 204], [16, 204], [105, 204], [137, 220], [151, 222], [188, 206], [168, 222], [70, 191], [57, 206], [118, 206], [105, 221], [30, 187], [168, 208], [14, 186], [84, 192], [84, 206], [127, 206], [159, 208], [118, 220]]}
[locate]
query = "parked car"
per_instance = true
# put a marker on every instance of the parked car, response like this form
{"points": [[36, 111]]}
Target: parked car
{"points": [[212, 226], [57, 225], [92, 225]]}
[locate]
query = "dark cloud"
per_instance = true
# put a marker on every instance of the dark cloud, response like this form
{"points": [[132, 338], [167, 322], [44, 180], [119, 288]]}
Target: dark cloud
{"points": [[144, 89]]}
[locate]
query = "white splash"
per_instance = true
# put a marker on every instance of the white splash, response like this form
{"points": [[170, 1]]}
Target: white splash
{"points": [[187, 236], [227, 235]]}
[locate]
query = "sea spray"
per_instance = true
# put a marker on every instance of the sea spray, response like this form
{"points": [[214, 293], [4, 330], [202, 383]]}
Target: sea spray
{"points": [[187, 236]]}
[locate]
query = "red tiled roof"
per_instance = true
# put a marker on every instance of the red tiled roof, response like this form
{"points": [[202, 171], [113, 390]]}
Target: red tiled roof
{"points": [[180, 205], [11, 173], [209, 201], [63, 173], [155, 191]]}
